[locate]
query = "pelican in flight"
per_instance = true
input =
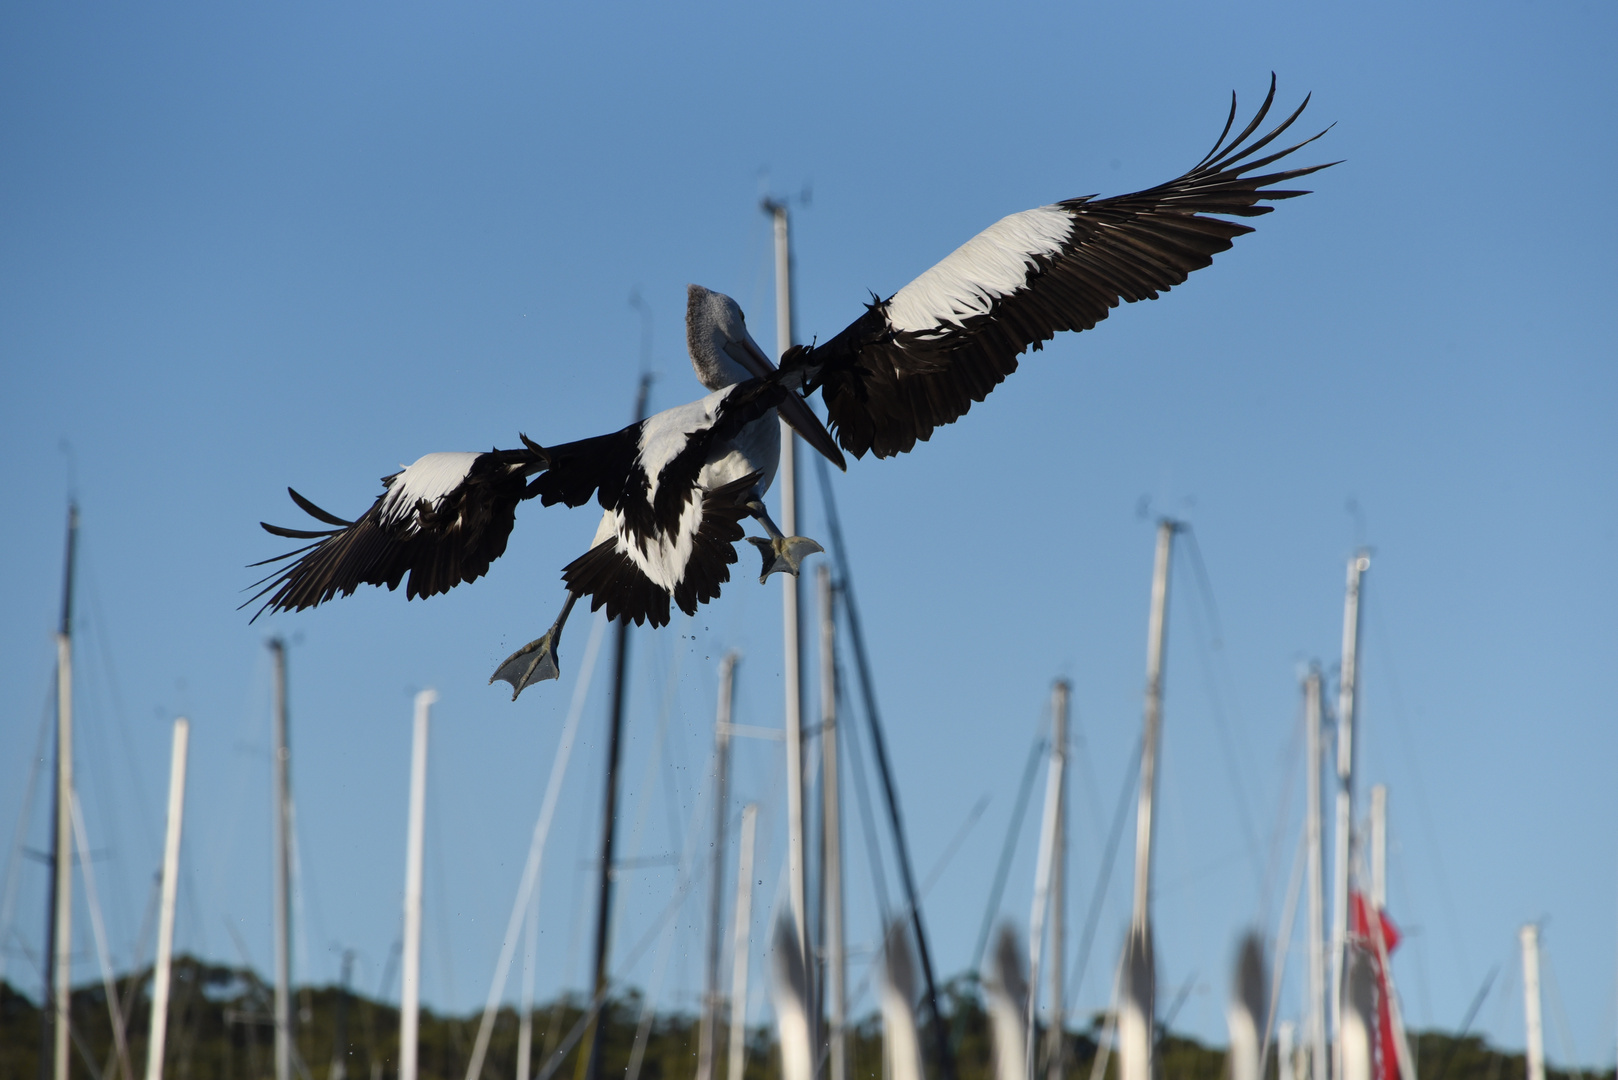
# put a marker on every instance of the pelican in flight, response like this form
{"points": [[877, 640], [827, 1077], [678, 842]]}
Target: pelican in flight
{"points": [[675, 488]]}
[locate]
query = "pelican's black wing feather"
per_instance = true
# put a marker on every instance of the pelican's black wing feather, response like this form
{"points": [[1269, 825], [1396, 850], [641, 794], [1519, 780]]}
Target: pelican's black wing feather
{"points": [[441, 521], [922, 357]]}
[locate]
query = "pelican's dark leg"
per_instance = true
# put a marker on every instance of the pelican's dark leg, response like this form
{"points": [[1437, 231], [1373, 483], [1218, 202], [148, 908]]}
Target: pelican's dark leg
{"points": [[781, 553], [535, 661]]}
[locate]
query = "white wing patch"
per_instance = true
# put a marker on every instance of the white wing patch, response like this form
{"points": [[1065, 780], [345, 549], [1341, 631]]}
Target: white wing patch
{"points": [[431, 478], [992, 264]]}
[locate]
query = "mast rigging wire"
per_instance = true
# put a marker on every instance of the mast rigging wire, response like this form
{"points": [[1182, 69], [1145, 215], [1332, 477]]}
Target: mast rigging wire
{"points": [[536, 848], [941, 1040], [1108, 860], [1232, 754], [1009, 844], [873, 843]]}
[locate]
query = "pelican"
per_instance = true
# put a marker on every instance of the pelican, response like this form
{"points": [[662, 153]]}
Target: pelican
{"points": [[674, 488]]}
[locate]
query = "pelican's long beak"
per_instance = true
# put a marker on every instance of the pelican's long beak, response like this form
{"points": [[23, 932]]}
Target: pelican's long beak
{"points": [[793, 409]]}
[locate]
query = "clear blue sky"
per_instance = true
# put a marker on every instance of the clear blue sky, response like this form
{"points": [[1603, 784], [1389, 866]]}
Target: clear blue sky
{"points": [[301, 244]]}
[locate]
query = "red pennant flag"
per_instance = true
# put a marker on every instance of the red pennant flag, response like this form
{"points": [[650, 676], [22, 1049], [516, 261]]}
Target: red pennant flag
{"points": [[1387, 1067]]}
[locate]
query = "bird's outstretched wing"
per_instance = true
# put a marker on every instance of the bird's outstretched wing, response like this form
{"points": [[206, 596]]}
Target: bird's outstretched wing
{"points": [[922, 357], [441, 520]]}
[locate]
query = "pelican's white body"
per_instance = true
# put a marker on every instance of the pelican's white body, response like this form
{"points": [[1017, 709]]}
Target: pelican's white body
{"points": [[756, 449]]}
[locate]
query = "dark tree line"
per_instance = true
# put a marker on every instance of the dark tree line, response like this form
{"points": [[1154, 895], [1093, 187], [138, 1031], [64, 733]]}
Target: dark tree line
{"points": [[220, 1029]]}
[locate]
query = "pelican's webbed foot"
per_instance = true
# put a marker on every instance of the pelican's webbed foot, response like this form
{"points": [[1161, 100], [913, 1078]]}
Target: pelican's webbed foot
{"points": [[781, 553], [535, 661]]}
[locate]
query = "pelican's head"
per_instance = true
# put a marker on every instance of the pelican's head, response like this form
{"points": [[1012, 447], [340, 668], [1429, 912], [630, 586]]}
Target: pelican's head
{"points": [[722, 351], [724, 354]]}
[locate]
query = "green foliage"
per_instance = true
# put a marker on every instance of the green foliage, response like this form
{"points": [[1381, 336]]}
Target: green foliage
{"points": [[220, 1029]]}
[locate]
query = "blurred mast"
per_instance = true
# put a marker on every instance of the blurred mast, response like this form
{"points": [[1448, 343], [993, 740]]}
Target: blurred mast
{"points": [[410, 983], [1055, 1045], [280, 771], [1044, 871], [831, 832], [590, 1063], [339, 1044], [165, 923], [1348, 685], [1315, 1035], [1530, 993], [1145, 825], [716, 897], [740, 944], [56, 1019]]}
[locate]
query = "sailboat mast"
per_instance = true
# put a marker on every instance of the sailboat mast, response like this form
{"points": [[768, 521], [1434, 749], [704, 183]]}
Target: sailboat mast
{"points": [[1049, 832], [170, 888], [791, 625], [1138, 1025], [1316, 1034], [281, 768], [1145, 824], [1055, 1046], [1530, 993], [609, 814], [410, 983], [741, 944], [716, 892], [1348, 685], [59, 927], [831, 831]]}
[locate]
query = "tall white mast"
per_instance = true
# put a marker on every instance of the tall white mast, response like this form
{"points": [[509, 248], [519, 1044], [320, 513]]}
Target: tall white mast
{"points": [[61, 925], [280, 770], [790, 624], [1316, 1031], [740, 945], [832, 830], [530, 965], [1055, 1046], [1137, 1031], [1156, 629], [1530, 994], [410, 984], [62, 963], [165, 921], [710, 1000], [1348, 685], [1046, 893]]}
